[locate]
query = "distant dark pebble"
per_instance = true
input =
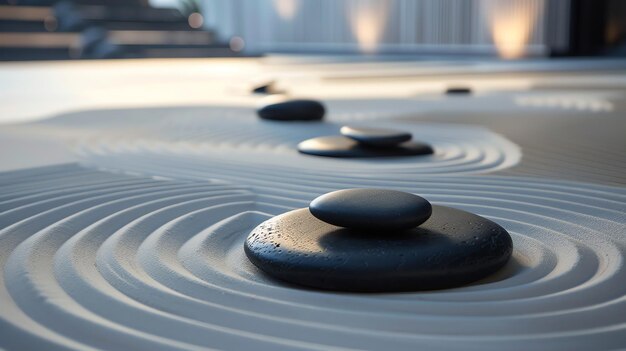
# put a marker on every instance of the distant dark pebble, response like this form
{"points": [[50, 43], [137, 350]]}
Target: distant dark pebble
{"points": [[458, 91], [262, 89], [266, 88], [293, 110]]}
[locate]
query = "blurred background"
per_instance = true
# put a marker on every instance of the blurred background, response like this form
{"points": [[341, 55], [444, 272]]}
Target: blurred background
{"points": [[103, 29]]}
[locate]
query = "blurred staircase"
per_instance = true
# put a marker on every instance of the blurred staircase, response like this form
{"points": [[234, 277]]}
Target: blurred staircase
{"points": [[100, 29]]}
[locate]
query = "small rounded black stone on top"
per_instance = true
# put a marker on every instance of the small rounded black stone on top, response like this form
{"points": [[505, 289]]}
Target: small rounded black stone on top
{"points": [[452, 248], [371, 209], [375, 136], [293, 110], [341, 146]]}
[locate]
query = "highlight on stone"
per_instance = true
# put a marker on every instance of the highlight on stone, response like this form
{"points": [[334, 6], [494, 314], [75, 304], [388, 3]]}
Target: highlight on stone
{"points": [[376, 136]]}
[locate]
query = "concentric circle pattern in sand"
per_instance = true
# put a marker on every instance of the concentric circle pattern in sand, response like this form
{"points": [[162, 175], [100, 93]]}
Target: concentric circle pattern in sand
{"points": [[92, 259], [236, 136]]}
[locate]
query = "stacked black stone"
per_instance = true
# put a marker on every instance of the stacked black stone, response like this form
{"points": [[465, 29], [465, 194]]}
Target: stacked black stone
{"points": [[376, 136], [374, 240], [365, 142], [293, 110]]}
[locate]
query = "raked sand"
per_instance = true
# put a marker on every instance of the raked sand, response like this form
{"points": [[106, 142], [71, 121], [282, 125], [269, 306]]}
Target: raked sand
{"points": [[141, 245]]}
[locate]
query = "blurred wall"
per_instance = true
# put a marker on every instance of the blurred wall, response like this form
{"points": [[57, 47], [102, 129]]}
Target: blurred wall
{"points": [[510, 28]]}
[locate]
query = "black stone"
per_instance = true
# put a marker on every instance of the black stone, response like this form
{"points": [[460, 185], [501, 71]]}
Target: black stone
{"points": [[452, 248], [341, 146], [458, 91], [267, 88], [293, 110], [371, 209], [263, 89], [376, 136]]}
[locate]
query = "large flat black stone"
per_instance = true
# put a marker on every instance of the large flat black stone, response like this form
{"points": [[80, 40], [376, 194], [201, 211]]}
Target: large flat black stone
{"points": [[452, 248]]}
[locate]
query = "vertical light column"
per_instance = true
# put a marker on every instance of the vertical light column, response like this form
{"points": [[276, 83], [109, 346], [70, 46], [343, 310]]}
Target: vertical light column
{"points": [[511, 28]]}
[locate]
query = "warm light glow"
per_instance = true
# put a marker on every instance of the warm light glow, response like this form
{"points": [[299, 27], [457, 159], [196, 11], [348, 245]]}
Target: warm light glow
{"points": [[195, 20], [286, 8], [613, 31], [237, 44], [368, 22], [511, 24]]}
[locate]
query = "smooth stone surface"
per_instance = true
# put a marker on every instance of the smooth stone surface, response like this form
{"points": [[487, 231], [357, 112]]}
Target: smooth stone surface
{"points": [[458, 91], [451, 249], [293, 110], [376, 136], [371, 209], [341, 146]]}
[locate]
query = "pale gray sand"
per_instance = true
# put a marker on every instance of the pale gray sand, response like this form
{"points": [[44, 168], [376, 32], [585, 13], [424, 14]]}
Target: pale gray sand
{"points": [[141, 246], [97, 260], [107, 260], [21, 149]]}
